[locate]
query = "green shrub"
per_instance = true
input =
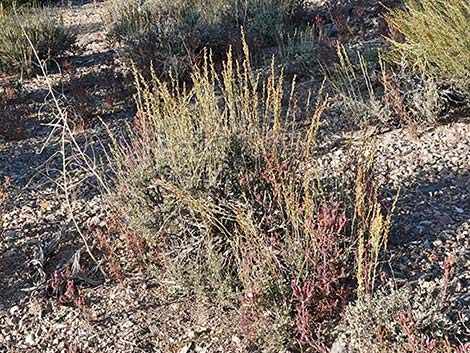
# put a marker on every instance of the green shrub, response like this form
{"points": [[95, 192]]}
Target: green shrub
{"points": [[46, 32], [433, 35], [219, 180], [267, 19], [164, 35]]}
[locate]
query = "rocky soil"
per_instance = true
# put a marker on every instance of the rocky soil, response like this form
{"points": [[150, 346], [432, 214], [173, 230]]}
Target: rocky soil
{"points": [[431, 225]]}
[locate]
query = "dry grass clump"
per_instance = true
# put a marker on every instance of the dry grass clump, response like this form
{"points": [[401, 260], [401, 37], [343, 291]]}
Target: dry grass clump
{"points": [[358, 89], [46, 32], [433, 36], [222, 184]]}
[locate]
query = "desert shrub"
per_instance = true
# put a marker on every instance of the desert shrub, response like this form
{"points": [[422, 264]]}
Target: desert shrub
{"points": [[400, 320], [417, 90], [164, 35], [12, 4], [222, 184], [369, 92], [433, 36], [9, 3], [46, 32], [267, 19], [298, 52], [420, 100], [173, 35], [359, 90]]}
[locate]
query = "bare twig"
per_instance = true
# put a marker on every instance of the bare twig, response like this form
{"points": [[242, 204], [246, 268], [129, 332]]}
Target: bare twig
{"points": [[68, 138]]}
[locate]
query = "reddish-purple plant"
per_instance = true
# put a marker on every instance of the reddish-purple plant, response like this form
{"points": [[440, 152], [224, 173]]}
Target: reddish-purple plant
{"points": [[108, 245], [417, 342], [62, 286], [463, 348], [304, 297], [449, 265], [319, 299]]}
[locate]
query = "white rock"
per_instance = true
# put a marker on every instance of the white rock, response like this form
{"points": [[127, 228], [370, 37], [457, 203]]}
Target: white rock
{"points": [[236, 340], [14, 309], [29, 339], [339, 346], [186, 348]]}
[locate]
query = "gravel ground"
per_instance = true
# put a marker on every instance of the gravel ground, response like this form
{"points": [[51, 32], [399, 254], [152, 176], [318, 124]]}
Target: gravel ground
{"points": [[432, 224]]}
